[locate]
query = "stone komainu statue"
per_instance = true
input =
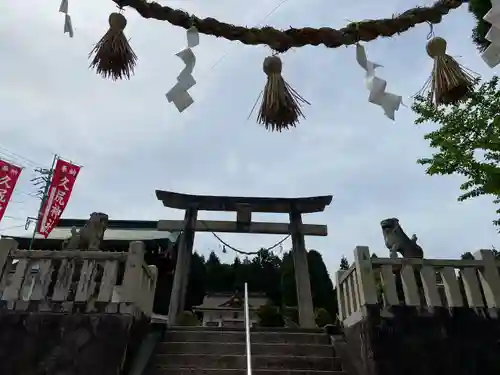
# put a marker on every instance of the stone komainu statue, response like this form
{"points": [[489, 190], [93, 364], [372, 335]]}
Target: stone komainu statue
{"points": [[397, 241], [90, 236], [87, 238]]}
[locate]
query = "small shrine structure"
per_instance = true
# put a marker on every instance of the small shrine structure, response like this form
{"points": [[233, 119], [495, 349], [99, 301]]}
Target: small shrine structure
{"points": [[243, 207], [227, 309]]}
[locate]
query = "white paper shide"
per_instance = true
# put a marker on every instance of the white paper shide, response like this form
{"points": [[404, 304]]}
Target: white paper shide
{"points": [[68, 27], [179, 93], [491, 55], [389, 102]]}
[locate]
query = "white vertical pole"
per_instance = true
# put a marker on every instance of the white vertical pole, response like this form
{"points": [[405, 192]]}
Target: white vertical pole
{"points": [[247, 332]]}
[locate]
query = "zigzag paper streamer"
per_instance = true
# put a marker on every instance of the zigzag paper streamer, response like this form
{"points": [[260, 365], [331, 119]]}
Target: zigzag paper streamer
{"points": [[179, 93], [68, 26], [491, 55], [389, 102]]}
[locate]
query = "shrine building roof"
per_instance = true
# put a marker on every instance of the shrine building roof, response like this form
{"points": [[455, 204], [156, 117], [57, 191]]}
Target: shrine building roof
{"points": [[117, 236], [231, 301]]}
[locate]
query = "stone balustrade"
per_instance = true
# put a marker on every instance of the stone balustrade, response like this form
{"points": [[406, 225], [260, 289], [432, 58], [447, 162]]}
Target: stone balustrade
{"points": [[422, 283], [76, 280]]}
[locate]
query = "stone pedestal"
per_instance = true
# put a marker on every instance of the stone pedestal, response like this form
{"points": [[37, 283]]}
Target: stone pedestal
{"points": [[457, 341]]}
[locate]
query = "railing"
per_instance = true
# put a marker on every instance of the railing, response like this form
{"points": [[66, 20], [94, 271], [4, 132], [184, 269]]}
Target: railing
{"points": [[76, 280], [247, 333], [417, 282]]}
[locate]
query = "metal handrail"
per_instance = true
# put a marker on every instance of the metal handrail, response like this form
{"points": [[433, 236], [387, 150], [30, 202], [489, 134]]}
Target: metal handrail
{"points": [[247, 333]]}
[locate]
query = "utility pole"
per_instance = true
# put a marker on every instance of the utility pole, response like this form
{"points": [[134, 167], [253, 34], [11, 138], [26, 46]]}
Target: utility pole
{"points": [[43, 182]]}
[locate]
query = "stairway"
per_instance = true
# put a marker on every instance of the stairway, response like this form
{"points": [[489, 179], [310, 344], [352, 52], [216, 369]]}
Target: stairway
{"points": [[205, 351]]}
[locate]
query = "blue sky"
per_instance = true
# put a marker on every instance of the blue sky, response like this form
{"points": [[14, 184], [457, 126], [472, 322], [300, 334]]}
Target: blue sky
{"points": [[131, 141]]}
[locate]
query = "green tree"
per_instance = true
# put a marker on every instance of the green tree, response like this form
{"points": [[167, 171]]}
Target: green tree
{"points": [[240, 276], [188, 319], [265, 273], [323, 293], [322, 317], [324, 296], [265, 276], [220, 277], [197, 282], [344, 263], [468, 255], [288, 289], [269, 316], [467, 142]]}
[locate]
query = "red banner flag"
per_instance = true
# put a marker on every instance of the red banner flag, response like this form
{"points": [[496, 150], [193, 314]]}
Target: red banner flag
{"points": [[9, 173], [60, 188]]}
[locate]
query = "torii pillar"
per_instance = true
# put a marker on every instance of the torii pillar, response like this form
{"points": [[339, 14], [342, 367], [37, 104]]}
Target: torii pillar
{"points": [[301, 268], [243, 206]]}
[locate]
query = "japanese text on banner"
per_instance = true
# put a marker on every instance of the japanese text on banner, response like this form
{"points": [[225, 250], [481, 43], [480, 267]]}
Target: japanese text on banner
{"points": [[60, 188], [9, 173]]}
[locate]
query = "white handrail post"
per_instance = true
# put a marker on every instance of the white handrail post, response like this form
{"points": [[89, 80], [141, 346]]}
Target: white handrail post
{"points": [[247, 332]]}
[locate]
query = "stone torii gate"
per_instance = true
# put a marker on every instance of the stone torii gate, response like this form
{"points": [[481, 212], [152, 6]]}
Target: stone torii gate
{"points": [[243, 207]]}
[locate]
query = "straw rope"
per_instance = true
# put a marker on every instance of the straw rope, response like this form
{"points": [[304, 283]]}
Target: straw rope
{"points": [[283, 40]]}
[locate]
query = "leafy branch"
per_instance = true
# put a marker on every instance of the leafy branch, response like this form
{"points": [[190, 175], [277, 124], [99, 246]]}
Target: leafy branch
{"points": [[467, 141]]}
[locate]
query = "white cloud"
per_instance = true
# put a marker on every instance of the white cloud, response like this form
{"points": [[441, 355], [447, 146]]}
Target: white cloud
{"points": [[131, 141]]}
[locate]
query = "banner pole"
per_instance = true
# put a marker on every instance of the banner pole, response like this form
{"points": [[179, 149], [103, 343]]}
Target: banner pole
{"points": [[44, 197]]}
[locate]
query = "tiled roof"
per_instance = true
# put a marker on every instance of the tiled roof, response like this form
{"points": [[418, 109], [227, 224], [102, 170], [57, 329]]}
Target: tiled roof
{"points": [[113, 234], [215, 302]]}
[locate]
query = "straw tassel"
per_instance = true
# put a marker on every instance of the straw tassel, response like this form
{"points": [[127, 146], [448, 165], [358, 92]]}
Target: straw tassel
{"points": [[450, 83], [280, 108], [113, 56]]}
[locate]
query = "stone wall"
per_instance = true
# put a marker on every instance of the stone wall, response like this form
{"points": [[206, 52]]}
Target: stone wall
{"points": [[57, 344], [455, 341]]}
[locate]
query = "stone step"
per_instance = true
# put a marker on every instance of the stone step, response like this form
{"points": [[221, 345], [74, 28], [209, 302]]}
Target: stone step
{"points": [[252, 329], [281, 349], [173, 361], [215, 371], [239, 337]]}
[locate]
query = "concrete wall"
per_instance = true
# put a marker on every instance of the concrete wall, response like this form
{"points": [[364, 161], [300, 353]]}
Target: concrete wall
{"points": [[54, 344]]}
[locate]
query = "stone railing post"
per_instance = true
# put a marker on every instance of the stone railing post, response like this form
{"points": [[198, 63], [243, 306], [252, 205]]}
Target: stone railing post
{"points": [[490, 279], [342, 314], [132, 279], [365, 276], [6, 246], [150, 292]]}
